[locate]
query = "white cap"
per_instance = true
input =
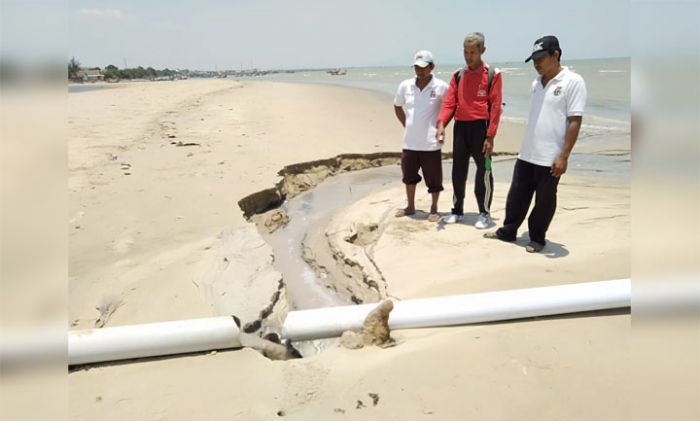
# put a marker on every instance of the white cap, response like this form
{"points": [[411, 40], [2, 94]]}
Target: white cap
{"points": [[423, 58]]}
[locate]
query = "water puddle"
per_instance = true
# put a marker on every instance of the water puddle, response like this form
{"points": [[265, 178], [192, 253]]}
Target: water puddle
{"points": [[314, 208]]}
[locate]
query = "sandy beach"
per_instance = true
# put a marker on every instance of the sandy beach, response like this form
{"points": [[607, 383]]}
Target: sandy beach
{"points": [[156, 233]]}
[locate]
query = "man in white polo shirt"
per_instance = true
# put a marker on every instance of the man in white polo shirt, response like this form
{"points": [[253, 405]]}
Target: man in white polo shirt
{"points": [[556, 111], [416, 105]]}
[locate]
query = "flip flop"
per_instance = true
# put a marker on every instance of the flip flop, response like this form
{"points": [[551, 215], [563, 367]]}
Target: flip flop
{"points": [[434, 217], [404, 212], [534, 247]]}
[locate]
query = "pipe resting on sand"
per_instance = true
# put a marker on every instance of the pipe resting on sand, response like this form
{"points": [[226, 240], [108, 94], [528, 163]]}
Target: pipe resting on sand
{"points": [[463, 309], [152, 339], [167, 338]]}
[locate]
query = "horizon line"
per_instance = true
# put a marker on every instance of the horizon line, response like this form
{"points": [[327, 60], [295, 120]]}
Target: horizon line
{"points": [[349, 66]]}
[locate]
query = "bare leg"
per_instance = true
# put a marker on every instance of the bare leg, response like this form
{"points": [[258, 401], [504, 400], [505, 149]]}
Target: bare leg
{"points": [[411, 196], [411, 207], [434, 216], [434, 205]]}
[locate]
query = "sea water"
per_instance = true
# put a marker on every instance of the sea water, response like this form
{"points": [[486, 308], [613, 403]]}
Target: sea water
{"points": [[606, 122], [607, 83]]}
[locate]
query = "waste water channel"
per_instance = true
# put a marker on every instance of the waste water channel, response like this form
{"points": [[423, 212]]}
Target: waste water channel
{"points": [[314, 208]]}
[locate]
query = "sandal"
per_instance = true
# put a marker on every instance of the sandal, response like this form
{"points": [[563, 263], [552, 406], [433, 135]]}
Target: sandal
{"points": [[404, 212], [534, 247], [498, 235], [434, 217]]}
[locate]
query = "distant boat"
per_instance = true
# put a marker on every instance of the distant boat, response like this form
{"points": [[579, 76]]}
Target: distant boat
{"points": [[337, 72]]}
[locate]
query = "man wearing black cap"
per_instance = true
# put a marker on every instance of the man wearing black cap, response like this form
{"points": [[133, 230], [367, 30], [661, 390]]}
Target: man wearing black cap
{"points": [[558, 103]]}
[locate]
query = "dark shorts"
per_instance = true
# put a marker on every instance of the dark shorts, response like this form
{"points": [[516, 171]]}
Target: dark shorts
{"points": [[430, 164]]}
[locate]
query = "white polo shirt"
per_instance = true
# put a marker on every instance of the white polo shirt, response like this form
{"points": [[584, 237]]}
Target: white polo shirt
{"points": [[564, 96], [421, 109]]}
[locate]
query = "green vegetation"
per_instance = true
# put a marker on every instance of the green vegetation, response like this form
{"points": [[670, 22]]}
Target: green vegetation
{"points": [[112, 72], [73, 67]]}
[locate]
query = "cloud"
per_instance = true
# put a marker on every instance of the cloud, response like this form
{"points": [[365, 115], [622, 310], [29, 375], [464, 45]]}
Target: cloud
{"points": [[108, 13]]}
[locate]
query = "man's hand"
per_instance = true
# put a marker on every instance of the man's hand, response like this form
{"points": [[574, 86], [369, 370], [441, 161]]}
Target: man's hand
{"points": [[572, 129], [440, 133], [559, 166], [488, 146], [400, 114]]}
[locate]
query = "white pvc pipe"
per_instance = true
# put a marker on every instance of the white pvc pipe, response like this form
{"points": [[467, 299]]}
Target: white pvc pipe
{"points": [[167, 338], [463, 309], [152, 339]]}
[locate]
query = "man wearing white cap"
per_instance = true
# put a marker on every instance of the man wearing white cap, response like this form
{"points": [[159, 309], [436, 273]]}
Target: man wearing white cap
{"points": [[417, 104]]}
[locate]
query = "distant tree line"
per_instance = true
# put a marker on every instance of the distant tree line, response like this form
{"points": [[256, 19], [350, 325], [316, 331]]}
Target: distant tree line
{"points": [[112, 72]]}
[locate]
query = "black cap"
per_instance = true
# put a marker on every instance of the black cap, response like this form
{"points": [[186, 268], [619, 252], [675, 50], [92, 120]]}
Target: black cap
{"points": [[544, 46]]}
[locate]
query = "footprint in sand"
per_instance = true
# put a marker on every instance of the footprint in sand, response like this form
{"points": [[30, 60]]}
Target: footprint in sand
{"points": [[124, 243], [168, 129], [108, 305], [77, 217]]}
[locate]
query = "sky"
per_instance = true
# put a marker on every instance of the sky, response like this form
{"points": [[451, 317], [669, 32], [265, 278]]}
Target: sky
{"points": [[289, 34]]}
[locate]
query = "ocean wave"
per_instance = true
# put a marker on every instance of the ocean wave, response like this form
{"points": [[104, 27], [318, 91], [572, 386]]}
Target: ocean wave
{"points": [[594, 129], [595, 121], [587, 129], [517, 120]]}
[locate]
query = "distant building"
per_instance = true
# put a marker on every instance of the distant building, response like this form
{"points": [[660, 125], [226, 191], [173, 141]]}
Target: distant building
{"points": [[90, 75]]}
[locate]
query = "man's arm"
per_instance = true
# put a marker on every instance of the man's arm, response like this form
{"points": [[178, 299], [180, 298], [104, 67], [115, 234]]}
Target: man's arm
{"points": [[400, 114], [447, 110], [495, 103], [572, 129]]}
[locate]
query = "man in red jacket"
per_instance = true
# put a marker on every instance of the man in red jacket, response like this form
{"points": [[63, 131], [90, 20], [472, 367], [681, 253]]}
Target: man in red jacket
{"points": [[476, 106]]}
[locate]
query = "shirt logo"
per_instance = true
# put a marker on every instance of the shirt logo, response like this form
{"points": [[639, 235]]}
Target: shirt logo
{"points": [[557, 91], [433, 94], [481, 92]]}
